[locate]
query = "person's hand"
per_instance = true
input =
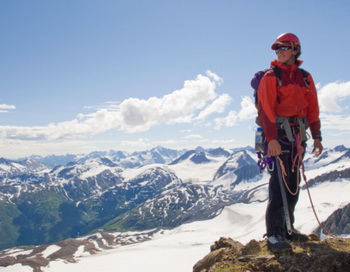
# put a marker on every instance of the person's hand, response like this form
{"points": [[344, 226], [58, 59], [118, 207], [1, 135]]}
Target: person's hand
{"points": [[274, 148], [317, 150]]}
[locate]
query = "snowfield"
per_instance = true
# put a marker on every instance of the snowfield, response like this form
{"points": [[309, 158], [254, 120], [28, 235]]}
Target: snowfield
{"points": [[179, 249]]}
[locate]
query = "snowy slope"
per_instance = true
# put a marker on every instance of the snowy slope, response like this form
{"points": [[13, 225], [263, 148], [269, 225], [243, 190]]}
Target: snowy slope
{"points": [[179, 249]]}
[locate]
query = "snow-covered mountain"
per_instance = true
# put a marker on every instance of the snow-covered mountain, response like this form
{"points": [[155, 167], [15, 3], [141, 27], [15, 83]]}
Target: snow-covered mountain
{"points": [[203, 192], [26, 166], [97, 191], [136, 159]]}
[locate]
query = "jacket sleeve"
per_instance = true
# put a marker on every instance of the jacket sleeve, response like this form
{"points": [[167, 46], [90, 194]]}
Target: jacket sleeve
{"points": [[313, 111], [267, 100]]}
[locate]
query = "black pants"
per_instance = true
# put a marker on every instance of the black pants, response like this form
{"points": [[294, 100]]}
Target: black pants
{"points": [[275, 217]]}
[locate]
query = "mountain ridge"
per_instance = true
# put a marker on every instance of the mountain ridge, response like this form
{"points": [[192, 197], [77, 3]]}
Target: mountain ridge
{"points": [[98, 194]]}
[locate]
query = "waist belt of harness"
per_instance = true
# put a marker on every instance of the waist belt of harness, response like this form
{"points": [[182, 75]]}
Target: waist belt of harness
{"points": [[285, 123]]}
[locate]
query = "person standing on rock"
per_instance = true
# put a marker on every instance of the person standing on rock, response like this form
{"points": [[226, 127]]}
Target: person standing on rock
{"points": [[287, 106]]}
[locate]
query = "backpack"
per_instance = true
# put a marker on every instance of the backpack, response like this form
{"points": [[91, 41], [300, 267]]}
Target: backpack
{"points": [[277, 70]]}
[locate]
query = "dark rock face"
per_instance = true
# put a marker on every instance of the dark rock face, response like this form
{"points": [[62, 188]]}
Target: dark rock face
{"points": [[312, 256], [330, 176], [339, 222]]}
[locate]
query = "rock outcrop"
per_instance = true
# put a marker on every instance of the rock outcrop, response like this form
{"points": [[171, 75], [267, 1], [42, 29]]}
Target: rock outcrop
{"points": [[314, 255], [339, 222]]}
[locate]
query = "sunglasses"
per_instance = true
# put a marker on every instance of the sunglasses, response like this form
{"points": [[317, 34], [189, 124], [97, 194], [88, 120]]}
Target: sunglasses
{"points": [[284, 48]]}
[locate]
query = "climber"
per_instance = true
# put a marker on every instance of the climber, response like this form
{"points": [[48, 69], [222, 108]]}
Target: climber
{"points": [[287, 106]]}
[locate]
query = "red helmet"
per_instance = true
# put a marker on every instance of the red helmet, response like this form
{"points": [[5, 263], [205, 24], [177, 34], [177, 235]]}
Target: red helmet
{"points": [[288, 39]]}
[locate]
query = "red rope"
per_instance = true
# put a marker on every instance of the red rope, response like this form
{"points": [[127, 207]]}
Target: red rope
{"points": [[318, 220], [284, 174], [299, 156]]}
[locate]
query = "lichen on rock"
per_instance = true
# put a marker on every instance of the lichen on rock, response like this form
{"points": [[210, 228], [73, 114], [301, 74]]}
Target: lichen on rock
{"points": [[314, 255]]}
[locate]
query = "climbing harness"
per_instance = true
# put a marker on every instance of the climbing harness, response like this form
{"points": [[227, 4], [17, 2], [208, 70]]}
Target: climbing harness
{"points": [[284, 123]]}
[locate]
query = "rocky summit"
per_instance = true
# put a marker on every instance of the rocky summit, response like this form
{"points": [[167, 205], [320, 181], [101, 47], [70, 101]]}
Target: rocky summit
{"points": [[315, 255]]}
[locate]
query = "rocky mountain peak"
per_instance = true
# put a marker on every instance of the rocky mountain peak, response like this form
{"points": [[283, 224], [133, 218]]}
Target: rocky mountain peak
{"points": [[313, 255]]}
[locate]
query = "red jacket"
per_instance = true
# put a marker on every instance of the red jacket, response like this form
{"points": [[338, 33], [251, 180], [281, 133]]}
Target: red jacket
{"points": [[292, 99]]}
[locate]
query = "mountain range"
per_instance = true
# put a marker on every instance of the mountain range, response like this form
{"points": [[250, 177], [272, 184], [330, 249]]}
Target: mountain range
{"points": [[44, 200]]}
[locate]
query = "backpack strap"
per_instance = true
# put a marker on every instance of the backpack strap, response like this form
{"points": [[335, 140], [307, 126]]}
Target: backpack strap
{"points": [[307, 82], [278, 74]]}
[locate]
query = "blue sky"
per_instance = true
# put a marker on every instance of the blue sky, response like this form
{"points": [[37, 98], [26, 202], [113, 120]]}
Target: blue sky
{"points": [[79, 76]]}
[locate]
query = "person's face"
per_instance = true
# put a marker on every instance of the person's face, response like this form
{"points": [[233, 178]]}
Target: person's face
{"points": [[285, 54]]}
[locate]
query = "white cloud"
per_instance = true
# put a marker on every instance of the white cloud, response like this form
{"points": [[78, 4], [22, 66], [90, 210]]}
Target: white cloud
{"points": [[194, 102], [133, 114], [337, 122], [217, 106], [194, 136], [331, 94], [177, 107], [83, 125], [246, 112], [229, 121], [214, 76], [4, 108]]}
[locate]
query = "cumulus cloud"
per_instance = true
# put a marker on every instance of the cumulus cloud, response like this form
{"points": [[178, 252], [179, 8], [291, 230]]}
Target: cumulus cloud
{"points": [[178, 107], [331, 94], [217, 106], [229, 121], [198, 97], [214, 76], [247, 112]]}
